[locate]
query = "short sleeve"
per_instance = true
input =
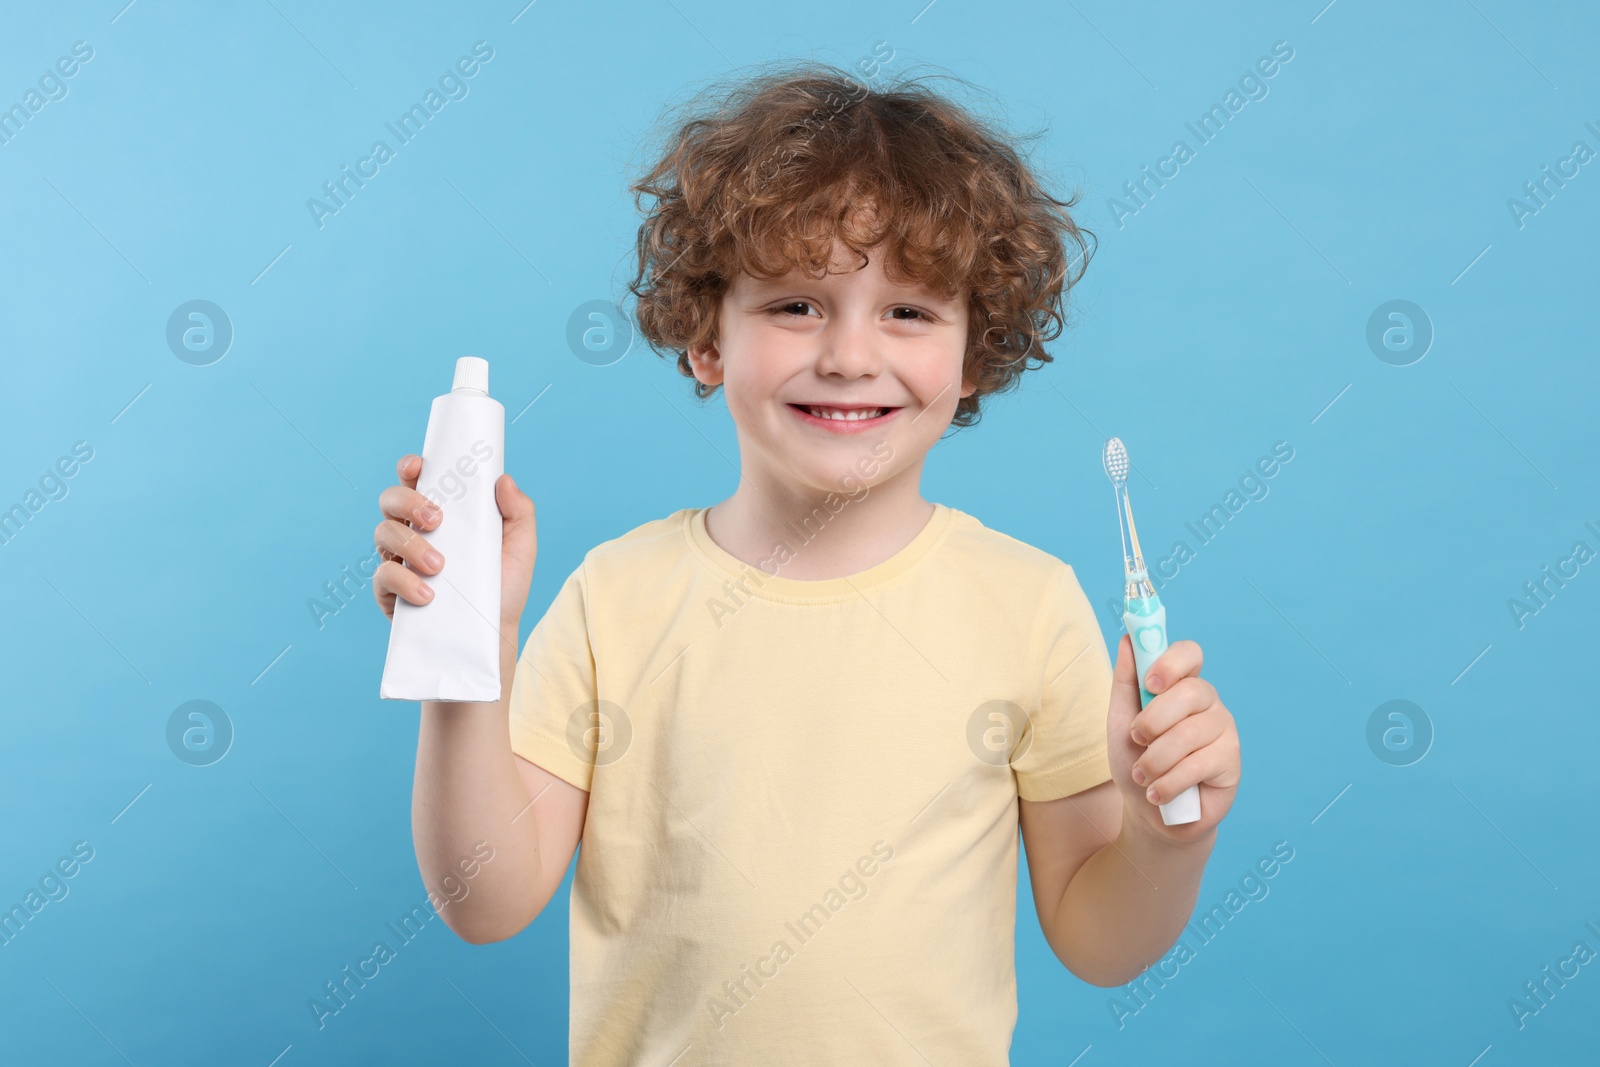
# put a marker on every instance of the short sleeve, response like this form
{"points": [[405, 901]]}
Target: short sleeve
{"points": [[553, 692], [1066, 752]]}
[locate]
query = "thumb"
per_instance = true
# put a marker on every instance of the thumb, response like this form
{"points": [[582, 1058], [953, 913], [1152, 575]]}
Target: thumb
{"points": [[1124, 696], [514, 503], [514, 506]]}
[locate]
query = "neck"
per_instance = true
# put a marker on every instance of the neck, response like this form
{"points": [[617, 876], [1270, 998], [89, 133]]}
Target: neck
{"points": [[828, 534]]}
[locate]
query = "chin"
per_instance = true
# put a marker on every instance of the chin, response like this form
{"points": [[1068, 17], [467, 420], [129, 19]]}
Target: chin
{"points": [[850, 475]]}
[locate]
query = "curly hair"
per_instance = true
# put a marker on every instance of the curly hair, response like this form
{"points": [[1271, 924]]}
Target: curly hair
{"points": [[764, 172]]}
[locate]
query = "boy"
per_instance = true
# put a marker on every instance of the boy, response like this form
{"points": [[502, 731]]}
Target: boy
{"points": [[796, 731]]}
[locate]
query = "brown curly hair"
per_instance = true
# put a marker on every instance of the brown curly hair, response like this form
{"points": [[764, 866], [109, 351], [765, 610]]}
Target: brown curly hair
{"points": [[762, 173]]}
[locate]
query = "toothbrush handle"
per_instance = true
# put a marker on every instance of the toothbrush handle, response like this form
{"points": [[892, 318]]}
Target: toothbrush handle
{"points": [[1146, 621]]}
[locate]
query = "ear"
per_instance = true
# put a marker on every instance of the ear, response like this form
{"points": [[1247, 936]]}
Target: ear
{"points": [[706, 362], [967, 387]]}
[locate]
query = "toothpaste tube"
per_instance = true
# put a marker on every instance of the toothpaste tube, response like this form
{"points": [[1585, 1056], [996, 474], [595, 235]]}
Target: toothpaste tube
{"points": [[449, 648]]}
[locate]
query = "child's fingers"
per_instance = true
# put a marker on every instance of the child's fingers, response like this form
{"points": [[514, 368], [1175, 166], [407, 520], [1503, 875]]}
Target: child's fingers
{"points": [[409, 467], [404, 543], [1124, 689], [1169, 750], [1215, 765], [392, 578], [521, 535], [1124, 674], [1191, 771], [404, 504], [514, 504], [385, 602], [1181, 659], [1182, 699]]}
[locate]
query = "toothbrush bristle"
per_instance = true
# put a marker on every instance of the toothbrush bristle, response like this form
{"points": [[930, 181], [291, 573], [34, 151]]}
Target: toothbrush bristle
{"points": [[1115, 459]]}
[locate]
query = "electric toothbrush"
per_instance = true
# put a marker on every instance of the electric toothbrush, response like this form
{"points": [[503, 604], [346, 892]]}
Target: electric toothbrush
{"points": [[1143, 616]]}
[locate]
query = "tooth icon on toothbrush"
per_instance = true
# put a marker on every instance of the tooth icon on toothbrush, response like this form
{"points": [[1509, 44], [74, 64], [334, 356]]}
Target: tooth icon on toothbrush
{"points": [[1144, 616]]}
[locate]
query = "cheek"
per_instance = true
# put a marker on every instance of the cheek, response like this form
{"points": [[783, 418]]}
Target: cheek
{"points": [[938, 382], [945, 364], [757, 372], [744, 386]]}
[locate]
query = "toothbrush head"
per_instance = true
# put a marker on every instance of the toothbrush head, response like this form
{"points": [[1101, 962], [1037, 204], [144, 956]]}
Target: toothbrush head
{"points": [[1115, 458]]}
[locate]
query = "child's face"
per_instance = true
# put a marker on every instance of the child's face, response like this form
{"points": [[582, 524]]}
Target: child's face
{"points": [[855, 339]]}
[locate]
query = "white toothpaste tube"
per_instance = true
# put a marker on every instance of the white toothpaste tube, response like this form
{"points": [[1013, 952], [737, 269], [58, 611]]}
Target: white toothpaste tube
{"points": [[449, 648]]}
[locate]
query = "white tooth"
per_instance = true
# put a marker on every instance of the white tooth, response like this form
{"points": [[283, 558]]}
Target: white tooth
{"points": [[851, 416]]}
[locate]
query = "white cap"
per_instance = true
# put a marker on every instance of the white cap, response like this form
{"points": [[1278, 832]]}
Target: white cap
{"points": [[471, 373]]}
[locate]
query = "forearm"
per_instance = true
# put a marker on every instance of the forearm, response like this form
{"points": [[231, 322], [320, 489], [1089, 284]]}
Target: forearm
{"points": [[467, 790], [1127, 904]]}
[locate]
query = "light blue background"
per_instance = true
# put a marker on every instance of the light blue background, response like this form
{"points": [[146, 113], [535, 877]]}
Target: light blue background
{"points": [[1225, 316]]}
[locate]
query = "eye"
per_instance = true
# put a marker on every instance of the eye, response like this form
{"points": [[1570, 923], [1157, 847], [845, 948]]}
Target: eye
{"points": [[784, 309], [915, 311]]}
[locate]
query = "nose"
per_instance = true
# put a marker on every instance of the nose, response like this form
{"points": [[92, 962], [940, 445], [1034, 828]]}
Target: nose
{"points": [[849, 349]]}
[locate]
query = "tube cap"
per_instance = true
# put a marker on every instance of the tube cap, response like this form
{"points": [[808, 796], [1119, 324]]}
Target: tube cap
{"points": [[471, 373]]}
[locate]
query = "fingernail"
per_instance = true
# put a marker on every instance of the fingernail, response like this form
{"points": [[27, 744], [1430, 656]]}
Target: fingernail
{"points": [[432, 559], [1152, 683], [1137, 735], [1151, 794], [1138, 774], [427, 593], [428, 515]]}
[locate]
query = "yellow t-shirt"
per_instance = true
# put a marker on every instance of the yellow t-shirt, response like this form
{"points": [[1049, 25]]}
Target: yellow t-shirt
{"points": [[801, 844]]}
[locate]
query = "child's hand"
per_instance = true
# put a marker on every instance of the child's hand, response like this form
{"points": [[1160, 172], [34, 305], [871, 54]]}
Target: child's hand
{"points": [[1184, 736], [405, 510]]}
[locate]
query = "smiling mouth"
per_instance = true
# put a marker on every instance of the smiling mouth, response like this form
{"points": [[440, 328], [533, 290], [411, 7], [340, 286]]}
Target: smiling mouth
{"points": [[853, 413]]}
